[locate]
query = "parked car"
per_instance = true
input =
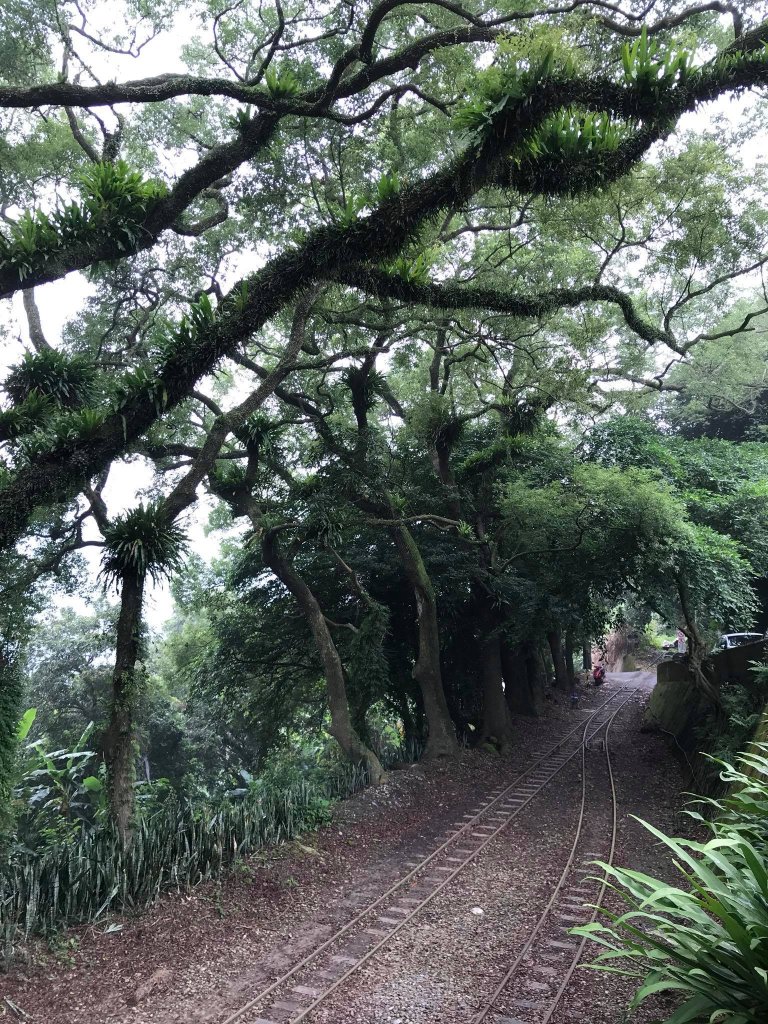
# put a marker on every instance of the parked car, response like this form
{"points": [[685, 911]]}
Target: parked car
{"points": [[738, 640]]}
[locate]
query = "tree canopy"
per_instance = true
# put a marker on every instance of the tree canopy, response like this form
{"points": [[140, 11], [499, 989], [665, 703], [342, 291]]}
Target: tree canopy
{"points": [[453, 313]]}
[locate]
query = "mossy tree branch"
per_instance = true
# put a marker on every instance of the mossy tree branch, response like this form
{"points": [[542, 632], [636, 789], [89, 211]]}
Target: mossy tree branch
{"points": [[60, 472], [741, 66]]}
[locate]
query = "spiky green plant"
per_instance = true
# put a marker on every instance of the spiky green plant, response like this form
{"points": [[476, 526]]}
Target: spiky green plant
{"points": [[175, 847], [22, 419], [707, 941], [647, 65], [143, 543], [570, 134], [412, 269], [143, 381], [282, 83], [69, 382], [500, 89], [114, 202], [388, 186], [744, 809]]}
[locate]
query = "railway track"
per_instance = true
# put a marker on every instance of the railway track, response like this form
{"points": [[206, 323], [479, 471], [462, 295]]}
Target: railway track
{"points": [[297, 993], [533, 987]]}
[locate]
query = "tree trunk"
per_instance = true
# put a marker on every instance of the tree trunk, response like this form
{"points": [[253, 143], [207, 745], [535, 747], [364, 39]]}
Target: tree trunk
{"points": [[562, 680], [533, 664], [117, 744], [586, 656], [341, 729], [11, 693], [520, 673], [497, 721], [441, 739], [544, 665], [699, 662], [569, 664]]}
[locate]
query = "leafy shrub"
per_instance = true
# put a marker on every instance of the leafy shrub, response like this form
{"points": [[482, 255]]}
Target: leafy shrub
{"points": [[745, 807], [60, 792], [724, 736], [175, 846], [707, 940]]}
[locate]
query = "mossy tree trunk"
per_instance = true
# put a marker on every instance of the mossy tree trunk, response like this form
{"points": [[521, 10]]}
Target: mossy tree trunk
{"points": [[569, 661], [441, 739], [10, 712], [586, 655], [699, 662], [118, 741], [555, 640], [520, 678], [497, 720], [342, 728]]}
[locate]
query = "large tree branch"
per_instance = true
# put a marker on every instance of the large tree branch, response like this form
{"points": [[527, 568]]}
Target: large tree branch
{"points": [[62, 471], [34, 323], [657, 113], [160, 88], [230, 422], [447, 296], [161, 215]]}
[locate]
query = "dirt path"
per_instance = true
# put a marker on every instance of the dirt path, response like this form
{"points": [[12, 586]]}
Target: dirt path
{"points": [[641, 679], [444, 969], [195, 954]]}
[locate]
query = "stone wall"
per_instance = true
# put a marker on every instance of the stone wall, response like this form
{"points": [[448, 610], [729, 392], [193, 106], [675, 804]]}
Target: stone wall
{"points": [[733, 665], [676, 706]]}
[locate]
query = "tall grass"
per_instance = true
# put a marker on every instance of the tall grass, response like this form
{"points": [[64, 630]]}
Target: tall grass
{"points": [[176, 847]]}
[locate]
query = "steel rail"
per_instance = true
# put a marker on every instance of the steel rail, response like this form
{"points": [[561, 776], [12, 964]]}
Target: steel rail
{"points": [[280, 982], [603, 883], [489, 1007]]}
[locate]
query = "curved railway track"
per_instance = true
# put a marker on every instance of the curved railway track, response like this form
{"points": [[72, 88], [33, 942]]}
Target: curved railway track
{"points": [[297, 993], [547, 951]]}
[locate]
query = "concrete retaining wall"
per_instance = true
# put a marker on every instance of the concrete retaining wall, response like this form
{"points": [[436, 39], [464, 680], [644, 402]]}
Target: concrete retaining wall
{"points": [[676, 705]]}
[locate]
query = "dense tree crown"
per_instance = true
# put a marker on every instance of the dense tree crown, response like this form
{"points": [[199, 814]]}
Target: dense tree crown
{"points": [[453, 312]]}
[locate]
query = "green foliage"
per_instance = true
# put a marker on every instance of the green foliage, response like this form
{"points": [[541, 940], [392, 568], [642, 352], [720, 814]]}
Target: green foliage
{"points": [[723, 736], [744, 808], [24, 418], [501, 88], [143, 381], [59, 792], [412, 270], [143, 543], [115, 201], [366, 658], [10, 709], [570, 135], [433, 420], [235, 684], [349, 212], [26, 723], [648, 66], [388, 186], [282, 82], [66, 381], [707, 940], [177, 846]]}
